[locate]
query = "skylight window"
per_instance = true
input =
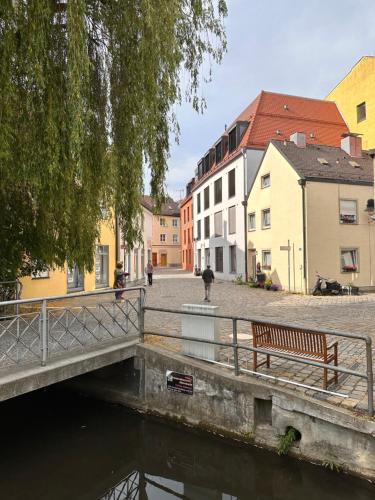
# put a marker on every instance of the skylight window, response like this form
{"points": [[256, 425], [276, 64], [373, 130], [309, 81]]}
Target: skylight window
{"points": [[354, 164], [323, 161]]}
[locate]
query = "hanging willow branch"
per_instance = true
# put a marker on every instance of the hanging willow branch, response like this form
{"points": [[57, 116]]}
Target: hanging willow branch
{"points": [[86, 93]]}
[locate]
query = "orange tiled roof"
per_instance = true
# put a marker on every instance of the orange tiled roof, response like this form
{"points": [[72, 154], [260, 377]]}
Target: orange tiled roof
{"points": [[278, 116]]}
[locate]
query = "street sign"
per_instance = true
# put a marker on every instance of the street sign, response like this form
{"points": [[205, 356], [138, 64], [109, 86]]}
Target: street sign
{"points": [[179, 382], [286, 247]]}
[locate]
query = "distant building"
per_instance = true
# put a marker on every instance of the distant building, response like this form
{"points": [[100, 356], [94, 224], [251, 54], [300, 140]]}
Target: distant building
{"points": [[186, 217], [355, 98], [309, 211], [227, 170], [135, 260], [166, 243]]}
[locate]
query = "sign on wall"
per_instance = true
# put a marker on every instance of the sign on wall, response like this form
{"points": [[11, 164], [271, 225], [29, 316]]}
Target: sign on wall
{"points": [[179, 382]]}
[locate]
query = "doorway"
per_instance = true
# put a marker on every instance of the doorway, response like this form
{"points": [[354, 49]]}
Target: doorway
{"points": [[163, 259], [154, 259]]}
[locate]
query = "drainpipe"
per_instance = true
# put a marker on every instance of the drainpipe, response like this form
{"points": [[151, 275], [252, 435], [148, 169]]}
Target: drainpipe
{"points": [[244, 203], [302, 183]]}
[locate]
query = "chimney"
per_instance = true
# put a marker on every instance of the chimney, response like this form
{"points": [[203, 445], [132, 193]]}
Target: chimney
{"points": [[352, 145], [299, 139]]}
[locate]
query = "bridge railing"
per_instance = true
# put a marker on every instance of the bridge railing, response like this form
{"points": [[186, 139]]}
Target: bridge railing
{"points": [[46, 327]]}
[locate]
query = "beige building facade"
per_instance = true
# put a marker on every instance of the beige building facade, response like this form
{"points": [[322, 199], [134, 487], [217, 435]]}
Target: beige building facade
{"points": [[309, 211]]}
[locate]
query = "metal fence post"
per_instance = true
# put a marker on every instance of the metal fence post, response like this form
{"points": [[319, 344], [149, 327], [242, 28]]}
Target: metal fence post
{"points": [[141, 319], [235, 347], [370, 377], [44, 339]]}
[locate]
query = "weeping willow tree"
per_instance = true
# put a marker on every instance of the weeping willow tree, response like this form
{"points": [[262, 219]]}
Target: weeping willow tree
{"points": [[87, 92]]}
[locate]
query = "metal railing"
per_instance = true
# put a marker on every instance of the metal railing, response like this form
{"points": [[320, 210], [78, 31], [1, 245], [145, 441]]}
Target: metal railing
{"points": [[49, 326], [368, 375]]}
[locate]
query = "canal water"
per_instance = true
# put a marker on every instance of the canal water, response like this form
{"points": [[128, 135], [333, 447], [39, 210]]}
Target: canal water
{"points": [[56, 445]]}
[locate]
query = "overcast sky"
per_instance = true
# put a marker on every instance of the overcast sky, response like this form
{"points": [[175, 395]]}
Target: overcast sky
{"points": [[291, 46]]}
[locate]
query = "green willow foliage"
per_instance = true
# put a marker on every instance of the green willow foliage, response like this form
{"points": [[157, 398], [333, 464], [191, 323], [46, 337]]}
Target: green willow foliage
{"points": [[87, 89]]}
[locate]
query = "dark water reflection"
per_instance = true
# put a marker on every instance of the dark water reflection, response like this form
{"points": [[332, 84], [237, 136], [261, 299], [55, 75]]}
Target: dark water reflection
{"points": [[59, 446]]}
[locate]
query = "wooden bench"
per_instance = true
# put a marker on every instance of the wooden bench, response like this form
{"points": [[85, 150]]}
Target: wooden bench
{"points": [[298, 342]]}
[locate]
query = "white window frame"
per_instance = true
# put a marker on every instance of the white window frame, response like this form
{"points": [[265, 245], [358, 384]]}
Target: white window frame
{"points": [[163, 222], [218, 234], [249, 226], [175, 238], [348, 215], [266, 266], [175, 222], [265, 181], [102, 259], [232, 230], [264, 211], [355, 261], [163, 237]]}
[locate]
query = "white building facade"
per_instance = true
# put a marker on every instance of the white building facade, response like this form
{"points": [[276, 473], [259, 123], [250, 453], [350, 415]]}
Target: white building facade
{"points": [[220, 216], [135, 260]]}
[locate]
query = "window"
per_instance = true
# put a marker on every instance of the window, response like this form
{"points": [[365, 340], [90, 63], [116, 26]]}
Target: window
{"points": [[74, 279], [207, 226], [183, 255], [206, 194], [265, 181], [232, 183], [174, 222], [266, 218], [232, 139], [175, 238], [349, 260], [251, 222], [218, 194], [184, 236], [188, 235], [218, 219], [188, 214], [184, 216], [361, 112], [162, 222], [36, 275], [219, 259], [199, 230], [218, 152], [199, 258], [232, 220], [162, 238], [348, 212], [101, 266], [232, 259], [198, 203], [266, 259]]}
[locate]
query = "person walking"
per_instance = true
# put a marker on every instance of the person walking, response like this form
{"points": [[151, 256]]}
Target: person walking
{"points": [[149, 272], [208, 278], [119, 280]]}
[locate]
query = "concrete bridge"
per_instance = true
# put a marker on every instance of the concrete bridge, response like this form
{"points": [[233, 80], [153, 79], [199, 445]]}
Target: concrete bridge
{"points": [[48, 340]]}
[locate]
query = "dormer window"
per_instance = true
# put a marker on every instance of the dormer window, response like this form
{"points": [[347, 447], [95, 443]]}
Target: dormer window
{"points": [[232, 139], [219, 152], [206, 163], [235, 135]]}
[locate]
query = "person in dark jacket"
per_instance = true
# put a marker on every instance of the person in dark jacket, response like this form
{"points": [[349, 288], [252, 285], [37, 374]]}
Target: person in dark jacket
{"points": [[119, 280], [208, 278]]}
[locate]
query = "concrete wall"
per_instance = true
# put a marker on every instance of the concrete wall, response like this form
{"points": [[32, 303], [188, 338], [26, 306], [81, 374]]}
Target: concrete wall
{"points": [[284, 199], [357, 87], [245, 408]]}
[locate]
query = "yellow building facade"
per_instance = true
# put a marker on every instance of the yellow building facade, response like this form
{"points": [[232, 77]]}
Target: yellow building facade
{"points": [[310, 211], [355, 98], [69, 280]]}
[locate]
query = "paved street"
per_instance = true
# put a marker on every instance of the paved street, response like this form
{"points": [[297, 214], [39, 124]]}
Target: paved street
{"points": [[347, 314]]}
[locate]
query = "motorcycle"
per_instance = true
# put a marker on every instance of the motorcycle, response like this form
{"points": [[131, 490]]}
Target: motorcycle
{"points": [[324, 286]]}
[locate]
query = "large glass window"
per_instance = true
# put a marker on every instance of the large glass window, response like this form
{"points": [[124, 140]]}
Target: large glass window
{"points": [[218, 219], [206, 194], [232, 259], [232, 183], [218, 191], [266, 259], [74, 279], [348, 211], [207, 226], [198, 203], [349, 260], [219, 259], [266, 218], [232, 220], [101, 266], [251, 222]]}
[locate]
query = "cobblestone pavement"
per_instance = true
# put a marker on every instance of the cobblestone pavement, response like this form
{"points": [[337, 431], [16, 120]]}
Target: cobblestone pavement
{"points": [[352, 314]]}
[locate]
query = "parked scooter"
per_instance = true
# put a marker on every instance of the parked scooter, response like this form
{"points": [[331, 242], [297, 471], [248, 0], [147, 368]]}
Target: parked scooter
{"points": [[324, 286]]}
